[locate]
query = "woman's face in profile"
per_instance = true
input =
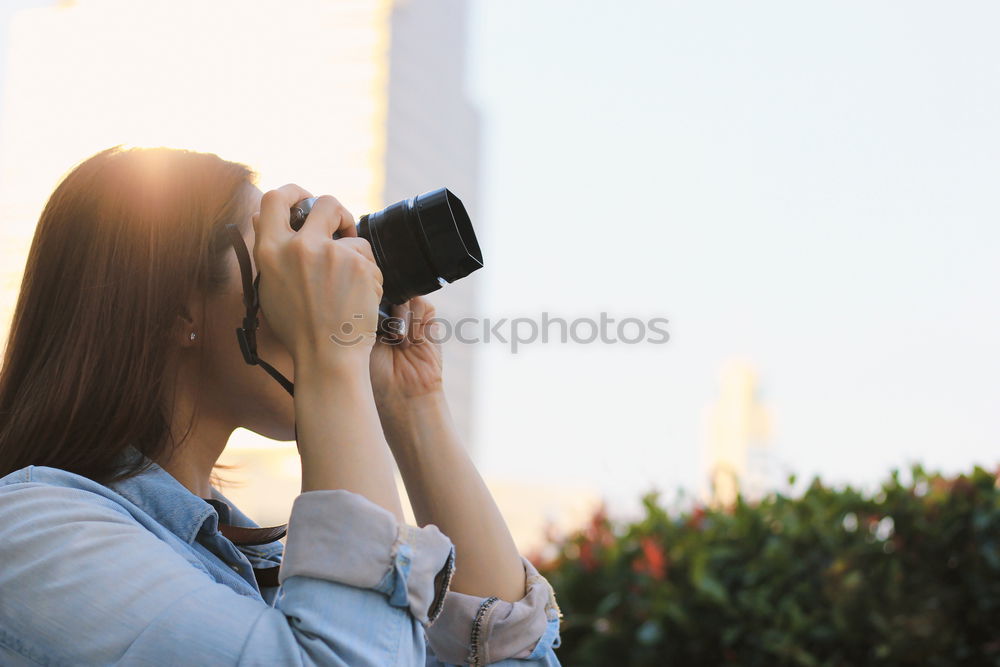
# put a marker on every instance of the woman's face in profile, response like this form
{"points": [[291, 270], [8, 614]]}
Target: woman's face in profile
{"points": [[237, 392]]}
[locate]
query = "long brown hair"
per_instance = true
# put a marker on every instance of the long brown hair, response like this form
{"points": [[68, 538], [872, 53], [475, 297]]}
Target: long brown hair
{"points": [[122, 243]]}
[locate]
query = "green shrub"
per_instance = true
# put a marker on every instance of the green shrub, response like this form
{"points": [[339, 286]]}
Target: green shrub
{"points": [[909, 575]]}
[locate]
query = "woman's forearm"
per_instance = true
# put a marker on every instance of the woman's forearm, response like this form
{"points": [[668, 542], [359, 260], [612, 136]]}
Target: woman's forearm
{"points": [[445, 489], [340, 438]]}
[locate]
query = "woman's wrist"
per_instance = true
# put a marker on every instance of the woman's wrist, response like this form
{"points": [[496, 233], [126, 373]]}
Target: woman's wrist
{"points": [[429, 405], [406, 419], [337, 365]]}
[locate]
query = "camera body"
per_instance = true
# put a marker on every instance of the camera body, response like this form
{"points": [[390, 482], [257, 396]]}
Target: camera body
{"points": [[419, 243]]}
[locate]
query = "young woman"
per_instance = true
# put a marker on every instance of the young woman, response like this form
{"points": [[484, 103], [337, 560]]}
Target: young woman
{"points": [[121, 384]]}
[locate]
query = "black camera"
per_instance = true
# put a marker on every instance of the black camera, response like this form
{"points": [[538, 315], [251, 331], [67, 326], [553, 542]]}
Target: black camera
{"points": [[419, 243]]}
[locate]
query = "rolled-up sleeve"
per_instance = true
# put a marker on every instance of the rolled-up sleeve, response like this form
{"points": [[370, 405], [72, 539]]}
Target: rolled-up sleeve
{"points": [[411, 565], [482, 631], [84, 583]]}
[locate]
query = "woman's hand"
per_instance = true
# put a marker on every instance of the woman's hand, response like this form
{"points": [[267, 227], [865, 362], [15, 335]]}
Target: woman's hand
{"points": [[408, 366], [320, 295], [443, 485]]}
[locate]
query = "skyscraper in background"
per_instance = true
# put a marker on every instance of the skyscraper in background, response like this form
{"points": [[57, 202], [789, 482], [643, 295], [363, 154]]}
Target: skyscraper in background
{"points": [[738, 425], [433, 140]]}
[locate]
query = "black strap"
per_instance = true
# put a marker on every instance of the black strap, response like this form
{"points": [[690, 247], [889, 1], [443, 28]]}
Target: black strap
{"points": [[247, 334], [243, 536], [266, 576], [248, 536]]}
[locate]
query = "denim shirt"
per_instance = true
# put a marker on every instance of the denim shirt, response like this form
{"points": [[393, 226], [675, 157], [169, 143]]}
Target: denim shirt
{"points": [[137, 573]]}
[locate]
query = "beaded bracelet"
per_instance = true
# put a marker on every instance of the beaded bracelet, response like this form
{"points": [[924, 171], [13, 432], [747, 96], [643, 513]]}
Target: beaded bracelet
{"points": [[477, 627]]}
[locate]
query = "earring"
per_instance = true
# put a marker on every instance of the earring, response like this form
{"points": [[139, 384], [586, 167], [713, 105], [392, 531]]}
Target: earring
{"points": [[192, 335]]}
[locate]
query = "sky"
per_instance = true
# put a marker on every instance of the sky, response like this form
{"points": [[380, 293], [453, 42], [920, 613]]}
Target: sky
{"points": [[808, 187]]}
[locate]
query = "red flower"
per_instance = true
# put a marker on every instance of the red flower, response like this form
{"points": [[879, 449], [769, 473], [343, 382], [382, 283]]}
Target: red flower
{"points": [[697, 518], [653, 560], [587, 559], [599, 530], [594, 539]]}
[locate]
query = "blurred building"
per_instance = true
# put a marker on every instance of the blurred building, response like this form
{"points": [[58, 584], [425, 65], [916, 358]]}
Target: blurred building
{"points": [[433, 140], [737, 452]]}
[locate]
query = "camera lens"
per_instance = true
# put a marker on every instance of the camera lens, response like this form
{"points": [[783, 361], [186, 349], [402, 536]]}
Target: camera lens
{"points": [[418, 243]]}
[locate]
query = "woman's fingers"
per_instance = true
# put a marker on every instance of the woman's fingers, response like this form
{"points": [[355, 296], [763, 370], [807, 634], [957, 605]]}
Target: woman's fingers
{"points": [[409, 322], [395, 327], [359, 245], [328, 217], [421, 311], [415, 313], [363, 248], [313, 283], [275, 212]]}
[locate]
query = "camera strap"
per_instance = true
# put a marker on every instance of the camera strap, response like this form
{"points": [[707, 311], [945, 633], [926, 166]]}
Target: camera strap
{"points": [[247, 334]]}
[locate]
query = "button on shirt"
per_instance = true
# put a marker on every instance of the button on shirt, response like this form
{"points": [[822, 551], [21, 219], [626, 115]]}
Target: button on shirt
{"points": [[137, 572]]}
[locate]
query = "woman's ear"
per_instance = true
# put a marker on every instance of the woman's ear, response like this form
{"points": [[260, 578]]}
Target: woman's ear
{"points": [[187, 332]]}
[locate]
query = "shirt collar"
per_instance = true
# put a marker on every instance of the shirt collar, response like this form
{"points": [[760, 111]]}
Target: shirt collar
{"points": [[159, 494]]}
